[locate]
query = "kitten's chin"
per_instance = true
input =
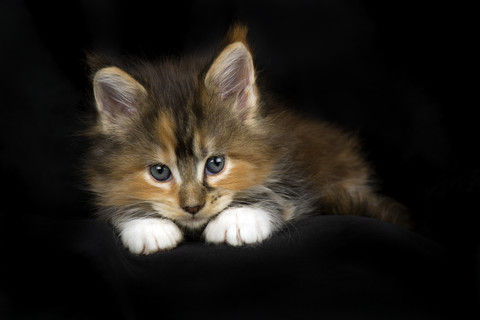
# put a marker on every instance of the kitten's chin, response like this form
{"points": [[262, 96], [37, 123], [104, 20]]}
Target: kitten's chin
{"points": [[192, 223]]}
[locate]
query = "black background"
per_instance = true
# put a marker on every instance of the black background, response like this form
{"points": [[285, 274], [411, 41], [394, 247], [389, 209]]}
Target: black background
{"points": [[396, 72]]}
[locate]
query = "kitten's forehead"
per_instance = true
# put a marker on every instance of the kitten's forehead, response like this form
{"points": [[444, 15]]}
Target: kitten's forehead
{"points": [[173, 83], [180, 141], [171, 86], [189, 127]]}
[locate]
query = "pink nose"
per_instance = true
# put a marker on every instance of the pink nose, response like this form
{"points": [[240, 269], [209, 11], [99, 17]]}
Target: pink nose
{"points": [[193, 210]]}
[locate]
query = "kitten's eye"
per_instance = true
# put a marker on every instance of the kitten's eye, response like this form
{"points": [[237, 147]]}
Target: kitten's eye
{"points": [[160, 172], [214, 165]]}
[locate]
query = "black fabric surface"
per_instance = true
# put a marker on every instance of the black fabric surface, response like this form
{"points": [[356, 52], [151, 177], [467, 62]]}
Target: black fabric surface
{"points": [[338, 267], [395, 73]]}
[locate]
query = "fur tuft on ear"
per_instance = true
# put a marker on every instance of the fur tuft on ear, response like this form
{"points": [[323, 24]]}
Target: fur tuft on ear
{"points": [[237, 33], [232, 75], [116, 94]]}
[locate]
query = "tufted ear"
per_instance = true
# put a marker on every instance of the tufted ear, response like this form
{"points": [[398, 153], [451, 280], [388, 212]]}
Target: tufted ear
{"points": [[117, 95], [232, 76]]}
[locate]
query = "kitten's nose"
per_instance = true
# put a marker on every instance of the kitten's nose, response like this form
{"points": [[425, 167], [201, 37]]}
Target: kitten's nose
{"points": [[194, 209]]}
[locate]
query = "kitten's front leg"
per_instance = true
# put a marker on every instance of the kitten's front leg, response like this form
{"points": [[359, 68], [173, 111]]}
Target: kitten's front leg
{"points": [[149, 235], [238, 226]]}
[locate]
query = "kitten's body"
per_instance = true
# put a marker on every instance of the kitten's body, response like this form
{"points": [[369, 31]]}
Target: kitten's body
{"points": [[191, 144]]}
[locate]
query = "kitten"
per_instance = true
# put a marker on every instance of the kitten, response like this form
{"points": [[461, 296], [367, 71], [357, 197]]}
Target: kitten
{"points": [[193, 144]]}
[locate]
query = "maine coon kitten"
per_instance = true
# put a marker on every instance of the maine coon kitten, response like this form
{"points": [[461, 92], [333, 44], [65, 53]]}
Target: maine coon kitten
{"points": [[193, 144]]}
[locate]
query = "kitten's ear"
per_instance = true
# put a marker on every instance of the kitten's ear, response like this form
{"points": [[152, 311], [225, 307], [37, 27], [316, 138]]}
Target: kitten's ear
{"points": [[117, 95], [232, 76]]}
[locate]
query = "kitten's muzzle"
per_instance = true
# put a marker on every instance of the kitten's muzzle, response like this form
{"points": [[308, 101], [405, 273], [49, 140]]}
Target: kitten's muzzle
{"points": [[194, 209]]}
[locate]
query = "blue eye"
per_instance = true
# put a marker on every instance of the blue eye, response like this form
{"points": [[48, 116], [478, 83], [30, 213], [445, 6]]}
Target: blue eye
{"points": [[160, 172], [214, 165]]}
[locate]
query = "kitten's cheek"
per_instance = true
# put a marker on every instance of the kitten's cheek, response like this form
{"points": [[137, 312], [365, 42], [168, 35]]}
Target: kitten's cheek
{"points": [[146, 236], [238, 226]]}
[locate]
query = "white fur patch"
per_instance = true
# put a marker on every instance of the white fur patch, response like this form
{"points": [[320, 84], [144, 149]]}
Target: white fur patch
{"points": [[146, 236], [238, 226]]}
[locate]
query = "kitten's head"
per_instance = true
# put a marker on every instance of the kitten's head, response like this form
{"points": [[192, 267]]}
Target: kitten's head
{"points": [[179, 139]]}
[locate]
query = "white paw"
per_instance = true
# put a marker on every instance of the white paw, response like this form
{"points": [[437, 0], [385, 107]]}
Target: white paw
{"points": [[238, 226], [146, 236]]}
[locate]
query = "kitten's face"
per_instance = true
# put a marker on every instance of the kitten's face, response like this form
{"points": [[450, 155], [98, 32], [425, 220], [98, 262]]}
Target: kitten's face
{"points": [[187, 180], [174, 143]]}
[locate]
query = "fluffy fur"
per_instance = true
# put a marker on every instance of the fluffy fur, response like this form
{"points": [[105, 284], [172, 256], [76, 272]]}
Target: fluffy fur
{"points": [[175, 116]]}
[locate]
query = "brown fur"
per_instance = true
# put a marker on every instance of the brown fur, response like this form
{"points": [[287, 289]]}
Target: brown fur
{"points": [[181, 112]]}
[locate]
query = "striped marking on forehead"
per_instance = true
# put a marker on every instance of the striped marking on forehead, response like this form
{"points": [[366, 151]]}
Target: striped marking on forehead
{"points": [[178, 139], [166, 134], [185, 122], [191, 155]]}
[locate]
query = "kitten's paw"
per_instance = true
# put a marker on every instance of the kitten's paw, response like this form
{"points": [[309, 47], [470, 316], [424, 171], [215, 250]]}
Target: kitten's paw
{"points": [[238, 226], [146, 236]]}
